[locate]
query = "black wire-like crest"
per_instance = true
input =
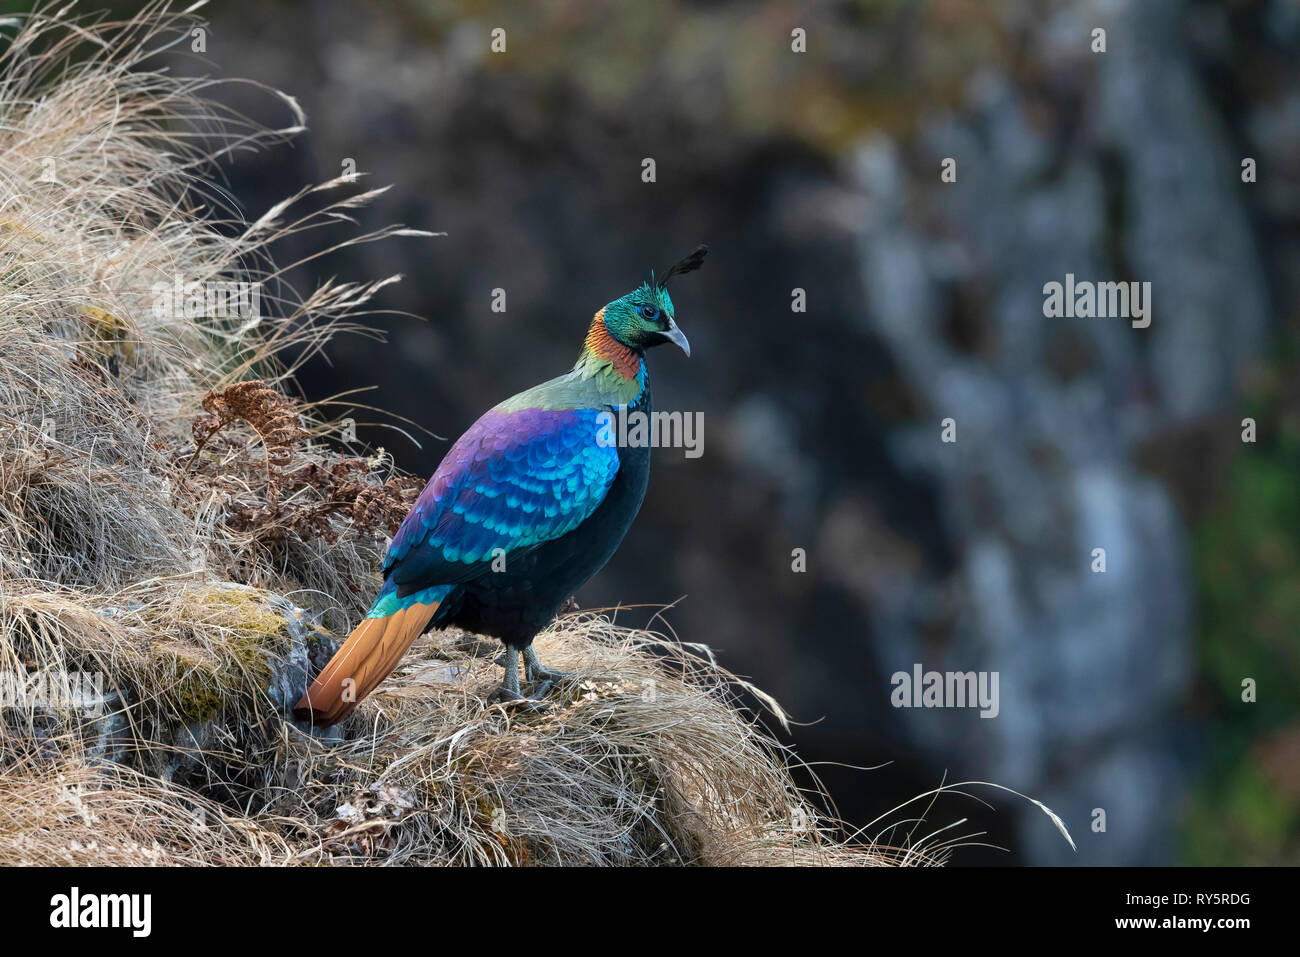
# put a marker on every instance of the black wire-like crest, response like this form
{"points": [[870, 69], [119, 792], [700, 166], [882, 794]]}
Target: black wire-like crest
{"points": [[689, 264]]}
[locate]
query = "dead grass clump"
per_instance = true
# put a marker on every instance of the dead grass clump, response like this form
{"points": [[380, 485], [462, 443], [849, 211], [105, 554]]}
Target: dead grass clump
{"points": [[645, 759], [109, 815], [288, 496]]}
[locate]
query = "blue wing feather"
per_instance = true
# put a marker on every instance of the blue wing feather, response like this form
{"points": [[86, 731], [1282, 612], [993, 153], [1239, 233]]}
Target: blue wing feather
{"points": [[515, 479]]}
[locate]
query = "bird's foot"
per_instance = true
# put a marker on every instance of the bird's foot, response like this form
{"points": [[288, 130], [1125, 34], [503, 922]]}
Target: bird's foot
{"points": [[534, 670], [508, 692], [511, 698]]}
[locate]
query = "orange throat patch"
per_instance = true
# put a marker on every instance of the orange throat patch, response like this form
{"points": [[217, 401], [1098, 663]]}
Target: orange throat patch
{"points": [[604, 347]]}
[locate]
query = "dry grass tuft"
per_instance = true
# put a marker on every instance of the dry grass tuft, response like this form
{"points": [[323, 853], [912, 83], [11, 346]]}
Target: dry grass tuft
{"points": [[175, 529]]}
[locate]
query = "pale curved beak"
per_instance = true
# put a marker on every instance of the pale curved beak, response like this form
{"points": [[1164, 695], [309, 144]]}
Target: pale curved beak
{"points": [[677, 337]]}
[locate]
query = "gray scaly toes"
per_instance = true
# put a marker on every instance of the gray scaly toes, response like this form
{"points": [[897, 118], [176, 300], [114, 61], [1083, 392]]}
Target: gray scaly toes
{"points": [[536, 671], [508, 692]]}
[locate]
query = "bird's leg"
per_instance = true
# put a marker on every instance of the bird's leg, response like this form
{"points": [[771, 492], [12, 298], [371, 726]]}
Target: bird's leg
{"points": [[534, 670], [508, 691]]}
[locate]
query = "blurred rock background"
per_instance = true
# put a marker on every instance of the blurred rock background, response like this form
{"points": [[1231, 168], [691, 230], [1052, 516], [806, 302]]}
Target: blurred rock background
{"points": [[821, 170]]}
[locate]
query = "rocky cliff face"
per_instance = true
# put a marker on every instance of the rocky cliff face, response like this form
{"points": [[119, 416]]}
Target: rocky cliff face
{"points": [[1109, 166]]}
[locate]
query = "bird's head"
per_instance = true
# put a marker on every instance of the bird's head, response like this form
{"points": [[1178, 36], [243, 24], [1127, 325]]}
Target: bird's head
{"points": [[644, 317]]}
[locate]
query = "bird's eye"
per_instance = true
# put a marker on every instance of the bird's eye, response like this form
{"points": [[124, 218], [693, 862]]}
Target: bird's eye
{"points": [[649, 312]]}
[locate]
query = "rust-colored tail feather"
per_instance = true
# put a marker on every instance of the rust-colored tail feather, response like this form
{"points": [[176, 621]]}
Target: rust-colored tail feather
{"points": [[367, 657]]}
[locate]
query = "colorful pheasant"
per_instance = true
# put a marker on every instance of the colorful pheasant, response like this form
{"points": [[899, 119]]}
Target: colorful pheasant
{"points": [[527, 505]]}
